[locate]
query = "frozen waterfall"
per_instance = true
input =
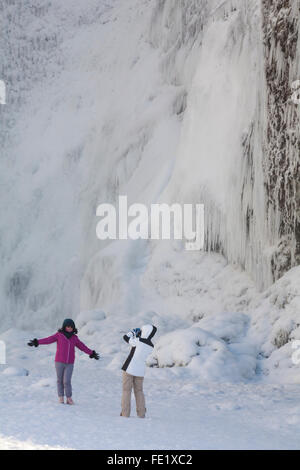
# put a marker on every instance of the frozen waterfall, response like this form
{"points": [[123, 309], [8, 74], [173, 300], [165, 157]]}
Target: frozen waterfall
{"points": [[161, 100]]}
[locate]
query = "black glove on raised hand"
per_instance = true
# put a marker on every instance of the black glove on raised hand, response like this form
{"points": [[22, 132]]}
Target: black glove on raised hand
{"points": [[33, 342], [94, 355]]}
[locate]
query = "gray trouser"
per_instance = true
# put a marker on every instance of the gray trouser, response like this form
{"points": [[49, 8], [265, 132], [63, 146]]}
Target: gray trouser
{"points": [[64, 374], [129, 382]]}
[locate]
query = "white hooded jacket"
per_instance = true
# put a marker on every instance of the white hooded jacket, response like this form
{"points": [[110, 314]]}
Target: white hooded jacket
{"points": [[135, 363]]}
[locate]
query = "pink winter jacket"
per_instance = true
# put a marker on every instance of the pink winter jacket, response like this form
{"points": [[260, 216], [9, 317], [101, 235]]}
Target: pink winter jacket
{"points": [[65, 351]]}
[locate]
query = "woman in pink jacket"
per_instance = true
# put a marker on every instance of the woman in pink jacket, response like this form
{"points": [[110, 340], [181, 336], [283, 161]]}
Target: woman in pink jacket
{"points": [[66, 339]]}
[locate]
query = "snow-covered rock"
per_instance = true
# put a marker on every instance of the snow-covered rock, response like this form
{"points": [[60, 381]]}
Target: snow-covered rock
{"points": [[15, 371]]}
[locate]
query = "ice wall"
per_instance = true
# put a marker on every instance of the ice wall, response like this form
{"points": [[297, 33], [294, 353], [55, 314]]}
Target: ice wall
{"points": [[162, 100], [88, 117], [240, 134], [50, 66]]}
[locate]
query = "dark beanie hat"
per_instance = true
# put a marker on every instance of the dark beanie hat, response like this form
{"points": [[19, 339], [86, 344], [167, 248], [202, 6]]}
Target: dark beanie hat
{"points": [[68, 322]]}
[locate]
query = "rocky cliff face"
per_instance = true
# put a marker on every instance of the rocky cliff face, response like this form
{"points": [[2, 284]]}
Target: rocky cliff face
{"points": [[282, 143]]}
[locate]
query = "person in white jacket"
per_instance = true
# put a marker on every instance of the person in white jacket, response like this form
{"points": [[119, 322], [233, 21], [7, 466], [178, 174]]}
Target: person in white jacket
{"points": [[134, 368]]}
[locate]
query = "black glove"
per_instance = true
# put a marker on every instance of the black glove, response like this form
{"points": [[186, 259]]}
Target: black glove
{"points": [[33, 342], [94, 355]]}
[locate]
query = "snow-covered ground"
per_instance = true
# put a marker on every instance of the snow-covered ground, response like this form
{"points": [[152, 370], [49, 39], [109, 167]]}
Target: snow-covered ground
{"points": [[213, 388], [183, 412]]}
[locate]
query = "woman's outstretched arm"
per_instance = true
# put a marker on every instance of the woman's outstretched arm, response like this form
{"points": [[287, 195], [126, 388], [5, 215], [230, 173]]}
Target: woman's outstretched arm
{"points": [[80, 345], [48, 340]]}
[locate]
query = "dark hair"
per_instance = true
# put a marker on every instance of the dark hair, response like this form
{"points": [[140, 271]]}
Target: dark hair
{"points": [[61, 330], [68, 322]]}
